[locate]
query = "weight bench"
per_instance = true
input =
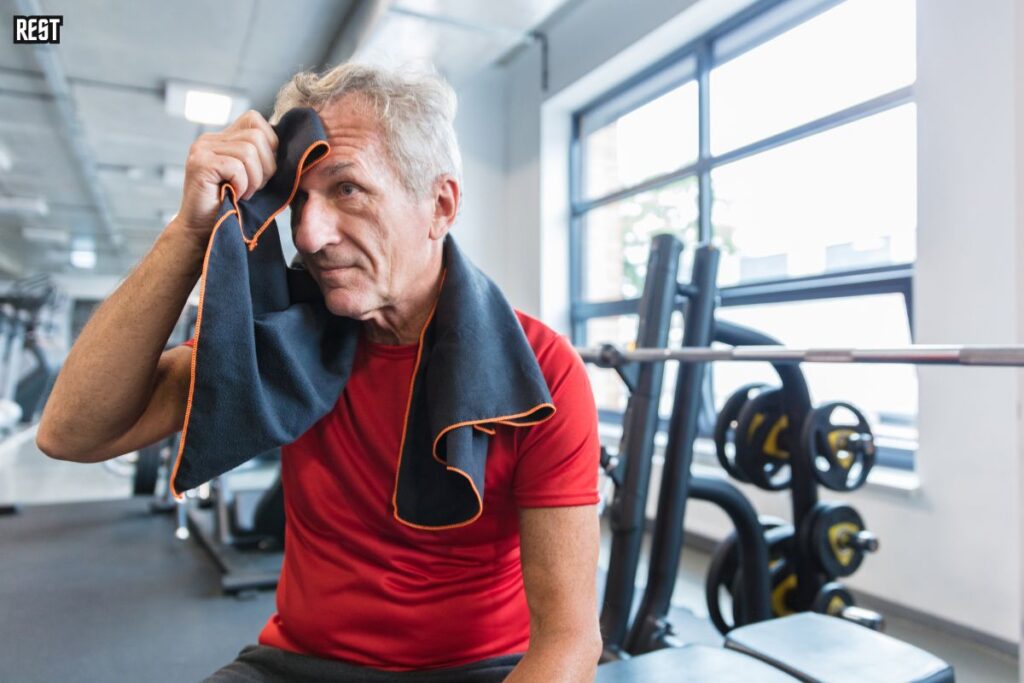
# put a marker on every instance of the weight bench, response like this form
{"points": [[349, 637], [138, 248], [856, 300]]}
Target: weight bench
{"points": [[803, 647], [814, 647], [691, 664]]}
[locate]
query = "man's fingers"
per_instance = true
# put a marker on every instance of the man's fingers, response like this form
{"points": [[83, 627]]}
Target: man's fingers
{"points": [[266, 154], [232, 170], [248, 155]]}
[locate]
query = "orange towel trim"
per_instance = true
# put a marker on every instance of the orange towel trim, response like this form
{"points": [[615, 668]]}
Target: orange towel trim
{"points": [[477, 424], [251, 243]]}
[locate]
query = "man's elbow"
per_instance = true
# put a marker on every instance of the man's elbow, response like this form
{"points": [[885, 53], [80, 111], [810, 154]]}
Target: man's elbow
{"points": [[51, 446], [50, 442]]}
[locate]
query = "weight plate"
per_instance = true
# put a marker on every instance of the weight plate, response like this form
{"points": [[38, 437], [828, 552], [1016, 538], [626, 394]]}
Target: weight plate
{"points": [[725, 574], [832, 599], [833, 528], [762, 441], [725, 429], [841, 454]]}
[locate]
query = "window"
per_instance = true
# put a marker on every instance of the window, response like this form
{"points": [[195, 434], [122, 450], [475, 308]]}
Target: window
{"points": [[788, 137]]}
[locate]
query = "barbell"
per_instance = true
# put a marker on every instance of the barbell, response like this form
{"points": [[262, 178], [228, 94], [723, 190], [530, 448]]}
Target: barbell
{"points": [[611, 356]]}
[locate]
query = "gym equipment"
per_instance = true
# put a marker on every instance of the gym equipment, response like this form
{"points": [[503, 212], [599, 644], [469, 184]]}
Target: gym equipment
{"points": [[832, 599], [843, 454], [630, 469], [837, 538], [725, 429], [242, 527], [691, 664], [725, 573], [762, 441], [813, 647], [795, 577], [147, 470], [608, 355]]}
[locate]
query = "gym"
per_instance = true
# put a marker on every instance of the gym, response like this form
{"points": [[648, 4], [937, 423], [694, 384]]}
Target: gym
{"points": [[548, 340]]}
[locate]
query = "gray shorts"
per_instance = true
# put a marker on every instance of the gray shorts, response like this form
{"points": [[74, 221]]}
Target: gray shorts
{"points": [[264, 664]]}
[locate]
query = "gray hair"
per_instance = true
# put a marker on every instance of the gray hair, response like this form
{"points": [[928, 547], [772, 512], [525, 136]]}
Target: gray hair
{"points": [[416, 108]]}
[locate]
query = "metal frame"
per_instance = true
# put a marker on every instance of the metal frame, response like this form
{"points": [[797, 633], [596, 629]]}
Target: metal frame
{"points": [[702, 51], [980, 355]]}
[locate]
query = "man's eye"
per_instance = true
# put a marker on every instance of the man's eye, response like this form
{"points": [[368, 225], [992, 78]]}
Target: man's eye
{"points": [[347, 189]]}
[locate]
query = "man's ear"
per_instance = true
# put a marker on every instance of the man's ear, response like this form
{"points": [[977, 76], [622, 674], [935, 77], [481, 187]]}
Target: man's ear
{"points": [[447, 197]]}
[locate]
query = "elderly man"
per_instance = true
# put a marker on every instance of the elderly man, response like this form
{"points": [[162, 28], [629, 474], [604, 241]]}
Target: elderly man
{"points": [[364, 597]]}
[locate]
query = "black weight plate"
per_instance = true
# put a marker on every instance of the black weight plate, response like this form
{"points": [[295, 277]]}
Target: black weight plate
{"points": [[783, 584], [762, 422], [830, 523], [841, 455], [724, 572], [832, 599], [725, 429]]}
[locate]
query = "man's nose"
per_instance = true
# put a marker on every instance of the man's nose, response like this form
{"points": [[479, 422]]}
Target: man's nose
{"points": [[312, 227]]}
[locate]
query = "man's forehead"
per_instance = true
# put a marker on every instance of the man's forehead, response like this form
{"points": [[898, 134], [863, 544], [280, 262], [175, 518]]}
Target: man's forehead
{"points": [[350, 114]]}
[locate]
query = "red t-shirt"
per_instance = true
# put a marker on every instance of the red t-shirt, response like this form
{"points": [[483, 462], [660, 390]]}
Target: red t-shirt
{"points": [[359, 586]]}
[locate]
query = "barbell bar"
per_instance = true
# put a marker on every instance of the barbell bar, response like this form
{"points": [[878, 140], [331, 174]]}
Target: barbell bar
{"points": [[612, 356]]}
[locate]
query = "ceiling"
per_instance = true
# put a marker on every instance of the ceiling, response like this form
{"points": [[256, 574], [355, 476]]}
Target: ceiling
{"points": [[107, 157]]}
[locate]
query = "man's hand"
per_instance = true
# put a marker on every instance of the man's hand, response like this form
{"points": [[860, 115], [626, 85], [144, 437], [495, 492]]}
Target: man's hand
{"points": [[242, 154], [559, 549]]}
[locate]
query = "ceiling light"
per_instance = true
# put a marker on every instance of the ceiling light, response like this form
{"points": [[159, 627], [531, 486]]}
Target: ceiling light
{"points": [[203, 104], [30, 206], [46, 235], [83, 253], [80, 258], [6, 161]]}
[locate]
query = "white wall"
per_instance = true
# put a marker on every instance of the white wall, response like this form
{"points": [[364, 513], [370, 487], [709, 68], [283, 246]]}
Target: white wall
{"points": [[481, 229], [953, 548]]}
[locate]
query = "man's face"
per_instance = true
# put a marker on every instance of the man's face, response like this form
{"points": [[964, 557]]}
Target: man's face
{"points": [[362, 235]]}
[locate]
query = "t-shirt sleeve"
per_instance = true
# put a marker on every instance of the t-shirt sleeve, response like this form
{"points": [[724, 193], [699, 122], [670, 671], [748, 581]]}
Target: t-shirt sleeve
{"points": [[558, 459]]}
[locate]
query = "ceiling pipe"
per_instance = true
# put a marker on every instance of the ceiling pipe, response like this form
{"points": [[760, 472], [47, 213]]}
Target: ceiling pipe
{"points": [[73, 131], [354, 31]]}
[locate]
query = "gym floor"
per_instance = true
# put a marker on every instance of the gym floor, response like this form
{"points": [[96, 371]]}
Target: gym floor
{"points": [[96, 588]]}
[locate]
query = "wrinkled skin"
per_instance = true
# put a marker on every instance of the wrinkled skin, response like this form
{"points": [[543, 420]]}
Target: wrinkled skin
{"points": [[373, 246]]}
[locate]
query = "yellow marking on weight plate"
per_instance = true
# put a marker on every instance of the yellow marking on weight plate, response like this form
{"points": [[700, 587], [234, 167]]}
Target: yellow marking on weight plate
{"points": [[836, 606], [837, 535], [779, 605], [837, 441], [771, 443]]}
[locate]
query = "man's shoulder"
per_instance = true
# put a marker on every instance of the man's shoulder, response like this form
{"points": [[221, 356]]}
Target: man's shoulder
{"points": [[537, 333], [549, 346]]}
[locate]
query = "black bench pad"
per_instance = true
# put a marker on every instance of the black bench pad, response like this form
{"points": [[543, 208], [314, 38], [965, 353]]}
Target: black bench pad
{"points": [[690, 664], [815, 647]]}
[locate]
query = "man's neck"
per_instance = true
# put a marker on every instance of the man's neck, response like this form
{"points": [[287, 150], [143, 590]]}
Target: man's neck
{"points": [[401, 322]]}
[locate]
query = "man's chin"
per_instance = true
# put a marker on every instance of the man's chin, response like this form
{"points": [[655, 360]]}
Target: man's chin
{"points": [[343, 303]]}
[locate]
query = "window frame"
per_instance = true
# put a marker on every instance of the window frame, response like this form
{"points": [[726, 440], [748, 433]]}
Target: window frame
{"points": [[698, 58]]}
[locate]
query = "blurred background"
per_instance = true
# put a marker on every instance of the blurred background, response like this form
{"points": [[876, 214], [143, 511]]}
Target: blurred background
{"points": [[858, 163]]}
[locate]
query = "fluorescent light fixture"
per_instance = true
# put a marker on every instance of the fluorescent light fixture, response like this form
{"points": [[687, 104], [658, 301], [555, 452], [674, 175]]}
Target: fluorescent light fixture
{"points": [[27, 206], [46, 235], [83, 253], [207, 107], [204, 104], [6, 160], [80, 258]]}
